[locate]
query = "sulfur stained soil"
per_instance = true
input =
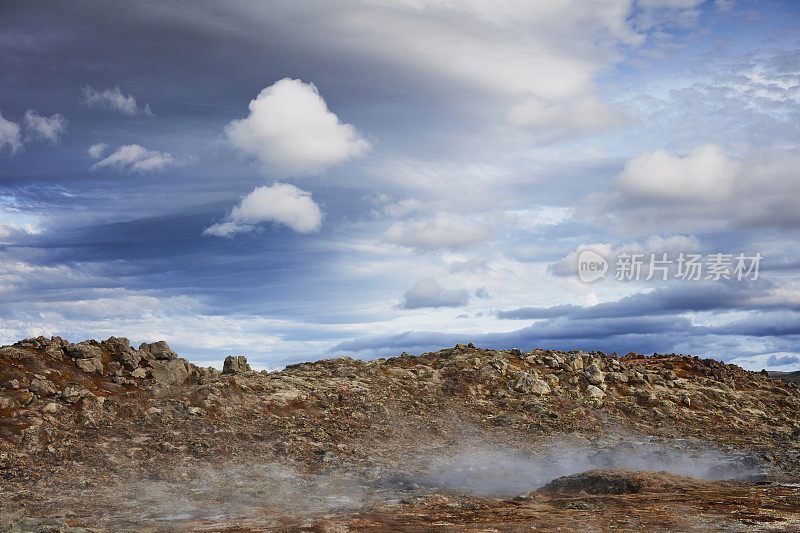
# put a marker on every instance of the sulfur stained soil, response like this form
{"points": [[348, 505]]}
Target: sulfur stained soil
{"points": [[99, 436]]}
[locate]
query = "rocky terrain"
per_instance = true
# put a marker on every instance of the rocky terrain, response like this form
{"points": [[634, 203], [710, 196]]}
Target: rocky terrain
{"points": [[100, 436]]}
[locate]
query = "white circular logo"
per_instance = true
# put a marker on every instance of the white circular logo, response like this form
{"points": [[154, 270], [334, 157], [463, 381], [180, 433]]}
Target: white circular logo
{"points": [[591, 266]]}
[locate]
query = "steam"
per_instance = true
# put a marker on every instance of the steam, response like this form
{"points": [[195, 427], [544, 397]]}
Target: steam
{"points": [[502, 473], [195, 492]]}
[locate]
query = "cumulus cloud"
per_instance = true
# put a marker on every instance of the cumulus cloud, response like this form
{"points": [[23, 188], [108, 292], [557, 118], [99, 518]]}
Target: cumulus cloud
{"points": [[585, 114], [9, 135], [706, 173], [114, 100], [132, 157], [428, 293], [441, 231], [42, 128], [280, 203], [705, 190], [290, 128]]}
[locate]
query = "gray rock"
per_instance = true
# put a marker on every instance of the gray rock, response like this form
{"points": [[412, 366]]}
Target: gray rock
{"points": [[116, 344], [595, 393], [170, 372], [83, 350], [593, 368], [73, 394], [129, 358], [159, 350], [90, 365], [42, 387], [529, 384], [550, 361], [597, 378], [139, 373], [617, 377], [236, 364]]}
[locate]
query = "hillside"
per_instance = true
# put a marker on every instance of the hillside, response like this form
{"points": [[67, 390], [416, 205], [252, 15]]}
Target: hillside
{"points": [[112, 438], [789, 377]]}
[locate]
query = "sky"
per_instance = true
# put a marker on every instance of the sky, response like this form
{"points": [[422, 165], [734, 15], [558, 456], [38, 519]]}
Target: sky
{"points": [[293, 180]]}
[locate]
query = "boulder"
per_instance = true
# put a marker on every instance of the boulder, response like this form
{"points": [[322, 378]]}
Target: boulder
{"points": [[129, 358], [617, 377], [595, 393], [593, 368], [139, 373], [116, 344], [159, 350], [528, 384], [235, 364], [596, 482], [597, 378], [83, 350], [172, 372], [573, 363], [41, 387], [90, 365]]}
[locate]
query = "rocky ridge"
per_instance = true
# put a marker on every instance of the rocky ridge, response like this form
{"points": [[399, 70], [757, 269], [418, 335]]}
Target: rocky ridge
{"points": [[96, 413]]}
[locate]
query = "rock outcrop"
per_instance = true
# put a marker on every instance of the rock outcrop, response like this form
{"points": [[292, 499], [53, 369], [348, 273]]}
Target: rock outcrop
{"points": [[235, 365]]}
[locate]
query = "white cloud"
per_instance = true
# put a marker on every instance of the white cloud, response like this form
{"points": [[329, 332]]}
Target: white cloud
{"points": [[133, 157], [428, 293], [114, 100], [579, 115], [96, 151], [9, 135], [706, 190], [291, 128], [42, 128], [706, 173], [441, 231], [280, 203]]}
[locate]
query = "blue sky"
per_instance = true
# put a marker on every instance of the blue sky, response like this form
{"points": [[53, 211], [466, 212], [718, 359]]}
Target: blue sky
{"points": [[296, 180]]}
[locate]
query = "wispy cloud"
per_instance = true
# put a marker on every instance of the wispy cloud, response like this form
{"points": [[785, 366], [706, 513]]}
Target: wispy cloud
{"points": [[132, 157], [9, 135], [114, 100], [42, 128]]}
